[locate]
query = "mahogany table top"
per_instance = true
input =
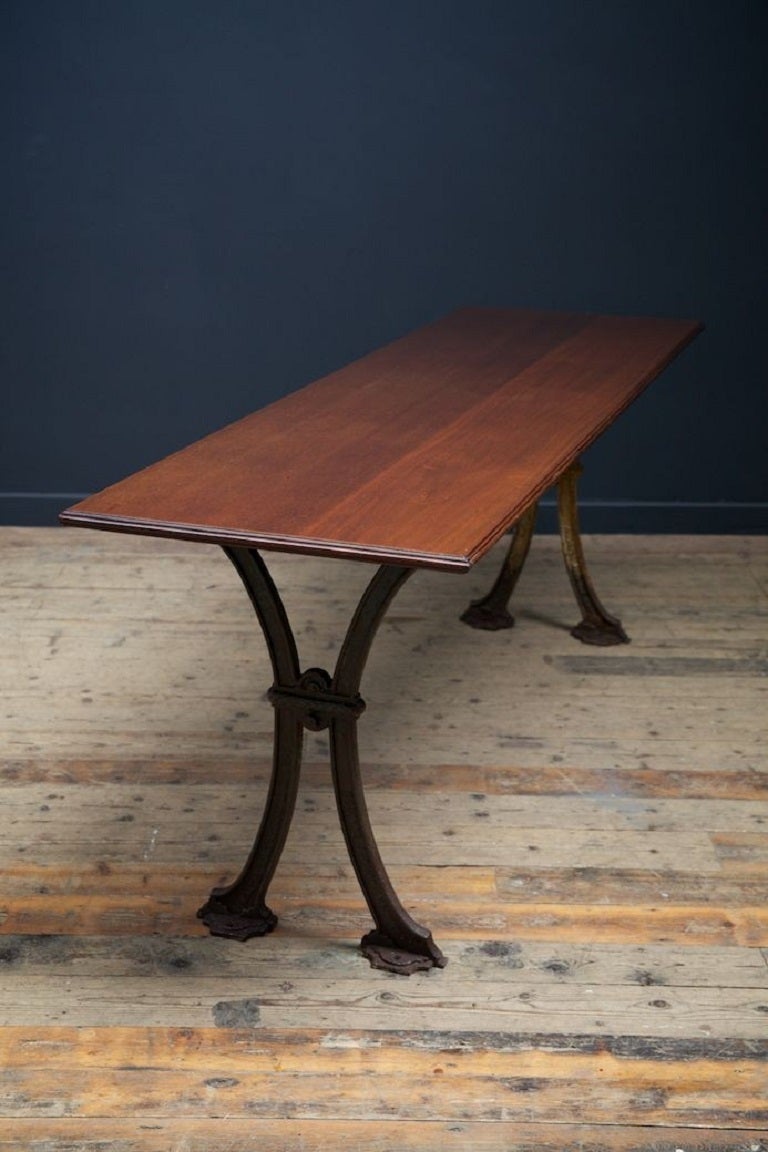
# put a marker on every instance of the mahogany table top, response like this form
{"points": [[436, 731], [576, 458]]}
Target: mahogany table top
{"points": [[422, 453]]}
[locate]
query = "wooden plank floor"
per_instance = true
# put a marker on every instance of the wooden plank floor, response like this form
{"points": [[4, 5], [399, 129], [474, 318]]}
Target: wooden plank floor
{"points": [[585, 831]]}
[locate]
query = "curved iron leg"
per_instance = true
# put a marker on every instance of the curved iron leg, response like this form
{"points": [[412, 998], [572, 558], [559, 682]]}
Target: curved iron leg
{"points": [[398, 943], [596, 626], [239, 910], [315, 700], [491, 612]]}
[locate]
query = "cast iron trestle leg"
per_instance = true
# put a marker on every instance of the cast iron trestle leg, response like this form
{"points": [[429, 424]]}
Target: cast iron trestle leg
{"points": [[398, 943], [491, 612], [239, 910], [596, 626], [315, 700]]}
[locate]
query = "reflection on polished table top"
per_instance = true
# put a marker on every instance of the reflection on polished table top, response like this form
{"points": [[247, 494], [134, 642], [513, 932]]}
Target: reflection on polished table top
{"points": [[422, 453]]}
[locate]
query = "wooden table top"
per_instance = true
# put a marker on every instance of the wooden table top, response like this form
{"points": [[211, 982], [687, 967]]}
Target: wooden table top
{"points": [[422, 453]]}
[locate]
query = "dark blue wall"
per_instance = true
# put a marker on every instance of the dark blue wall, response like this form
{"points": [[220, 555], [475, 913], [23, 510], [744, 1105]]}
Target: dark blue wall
{"points": [[206, 205]]}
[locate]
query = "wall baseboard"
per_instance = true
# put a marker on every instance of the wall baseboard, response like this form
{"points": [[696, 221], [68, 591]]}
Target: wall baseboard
{"points": [[35, 509], [641, 517], [40, 509]]}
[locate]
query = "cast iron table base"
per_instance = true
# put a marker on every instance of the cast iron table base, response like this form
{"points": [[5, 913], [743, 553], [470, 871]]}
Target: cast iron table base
{"points": [[315, 699], [596, 626]]}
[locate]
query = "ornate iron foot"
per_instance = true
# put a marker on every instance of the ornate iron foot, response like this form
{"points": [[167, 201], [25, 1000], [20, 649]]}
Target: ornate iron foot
{"points": [[603, 635], [383, 953], [218, 919], [315, 700], [597, 626], [491, 612], [486, 618]]}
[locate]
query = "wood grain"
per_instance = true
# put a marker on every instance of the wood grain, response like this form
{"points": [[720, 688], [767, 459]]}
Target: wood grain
{"points": [[422, 453], [601, 895], [382, 1135]]}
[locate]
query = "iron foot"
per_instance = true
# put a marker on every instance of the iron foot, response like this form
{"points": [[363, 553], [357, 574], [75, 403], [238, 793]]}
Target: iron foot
{"points": [[486, 617], [602, 634], [383, 953], [221, 921]]}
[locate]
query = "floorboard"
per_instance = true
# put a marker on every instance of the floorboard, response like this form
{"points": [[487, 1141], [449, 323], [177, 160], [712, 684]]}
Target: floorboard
{"points": [[585, 831]]}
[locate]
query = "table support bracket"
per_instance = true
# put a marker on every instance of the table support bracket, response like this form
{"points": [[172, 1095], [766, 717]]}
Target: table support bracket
{"points": [[491, 612], [316, 700]]}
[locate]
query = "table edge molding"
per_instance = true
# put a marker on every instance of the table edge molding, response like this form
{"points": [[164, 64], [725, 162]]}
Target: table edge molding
{"points": [[272, 542]]}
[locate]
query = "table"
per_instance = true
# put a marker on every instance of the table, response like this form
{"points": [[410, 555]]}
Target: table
{"points": [[422, 454]]}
